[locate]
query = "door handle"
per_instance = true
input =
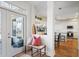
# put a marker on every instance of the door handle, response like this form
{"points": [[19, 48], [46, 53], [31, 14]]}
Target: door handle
{"points": [[9, 37]]}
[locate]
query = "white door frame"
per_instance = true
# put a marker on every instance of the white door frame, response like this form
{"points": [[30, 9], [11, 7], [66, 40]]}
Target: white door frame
{"points": [[3, 31]]}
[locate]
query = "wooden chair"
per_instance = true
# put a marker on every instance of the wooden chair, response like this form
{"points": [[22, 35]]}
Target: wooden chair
{"points": [[62, 38], [58, 39], [37, 49]]}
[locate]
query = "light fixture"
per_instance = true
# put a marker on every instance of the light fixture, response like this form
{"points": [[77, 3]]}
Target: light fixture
{"points": [[59, 8]]}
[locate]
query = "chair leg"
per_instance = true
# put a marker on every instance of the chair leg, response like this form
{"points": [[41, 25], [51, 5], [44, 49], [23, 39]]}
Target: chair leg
{"points": [[45, 50], [25, 49], [40, 52], [32, 52]]}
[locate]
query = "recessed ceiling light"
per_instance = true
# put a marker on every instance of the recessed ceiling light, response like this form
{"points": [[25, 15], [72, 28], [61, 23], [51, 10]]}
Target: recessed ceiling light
{"points": [[59, 8]]}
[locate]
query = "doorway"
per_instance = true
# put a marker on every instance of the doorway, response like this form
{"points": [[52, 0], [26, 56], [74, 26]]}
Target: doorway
{"points": [[66, 29]]}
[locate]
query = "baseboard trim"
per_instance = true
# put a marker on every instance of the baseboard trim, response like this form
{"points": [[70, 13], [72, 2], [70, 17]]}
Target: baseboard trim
{"points": [[18, 53]]}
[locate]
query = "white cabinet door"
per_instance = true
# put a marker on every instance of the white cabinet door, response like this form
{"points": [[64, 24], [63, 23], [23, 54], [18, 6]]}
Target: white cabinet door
{"points": [[15, 32]]}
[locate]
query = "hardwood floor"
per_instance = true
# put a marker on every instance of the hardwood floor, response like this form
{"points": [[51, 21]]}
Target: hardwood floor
{"points": [[67, 48]]}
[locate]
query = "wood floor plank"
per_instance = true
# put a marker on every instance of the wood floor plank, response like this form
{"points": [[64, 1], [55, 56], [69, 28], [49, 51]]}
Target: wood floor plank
{"points": [[69, 48]]}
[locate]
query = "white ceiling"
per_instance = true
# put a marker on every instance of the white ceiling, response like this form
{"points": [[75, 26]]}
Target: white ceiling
{"points": [[69, 9], [40, 7], [64, 4]]}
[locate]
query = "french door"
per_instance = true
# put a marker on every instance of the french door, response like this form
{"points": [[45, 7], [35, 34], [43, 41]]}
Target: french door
{"points": [[15, 33], [11, 33]]}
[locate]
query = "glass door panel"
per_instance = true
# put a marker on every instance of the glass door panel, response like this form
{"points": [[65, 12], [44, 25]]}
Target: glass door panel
{"points": [[17, 32]]}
